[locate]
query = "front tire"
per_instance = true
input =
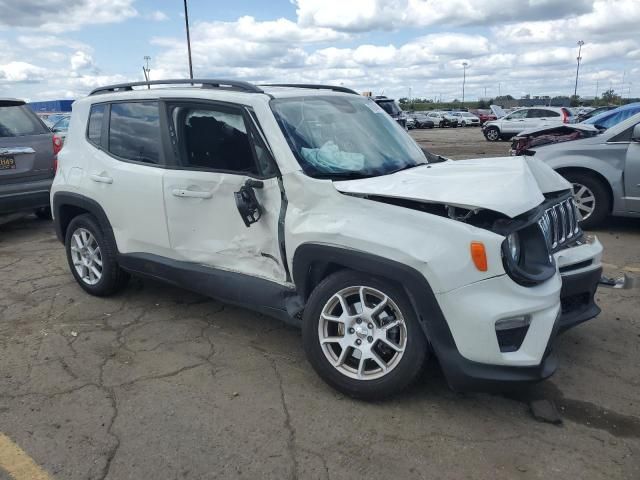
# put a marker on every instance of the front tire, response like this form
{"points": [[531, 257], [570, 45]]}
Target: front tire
{"points": [[492, 134], [362, 336], [592, 198], [92, 257]]}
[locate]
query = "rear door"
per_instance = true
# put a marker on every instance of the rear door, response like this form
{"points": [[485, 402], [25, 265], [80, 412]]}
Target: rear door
{"points": [[26, 145], [124, 173], [542, 117]]}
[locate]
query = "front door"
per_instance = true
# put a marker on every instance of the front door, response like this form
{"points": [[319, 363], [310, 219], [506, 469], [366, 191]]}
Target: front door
{"points": [[515, 122], [222, 165]]}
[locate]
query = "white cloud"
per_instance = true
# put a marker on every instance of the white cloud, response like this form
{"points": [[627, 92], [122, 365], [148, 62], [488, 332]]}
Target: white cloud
{"points": [[21, 72], [609, 19], [158, 16], [81, 61], [39, 42], [366, 15], [63, 15]]}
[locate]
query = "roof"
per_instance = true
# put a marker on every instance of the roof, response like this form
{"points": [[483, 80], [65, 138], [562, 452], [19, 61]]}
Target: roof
{"points": [[219, 85]]}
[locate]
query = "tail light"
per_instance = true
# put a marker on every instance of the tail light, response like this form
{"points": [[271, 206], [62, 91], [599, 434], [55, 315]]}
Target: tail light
{"points": [[57, 146], [565, 116]]}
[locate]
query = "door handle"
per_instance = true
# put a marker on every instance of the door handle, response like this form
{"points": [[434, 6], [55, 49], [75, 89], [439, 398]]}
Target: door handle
{"points": [[179, 192], [101, 178]]}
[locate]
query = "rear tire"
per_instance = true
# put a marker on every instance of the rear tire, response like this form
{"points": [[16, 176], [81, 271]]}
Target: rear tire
{"points": [[359, 356], [92, 257], [592, 198]]}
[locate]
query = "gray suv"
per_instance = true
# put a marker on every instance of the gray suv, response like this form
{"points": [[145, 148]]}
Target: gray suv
{"points": [[28, 157]]}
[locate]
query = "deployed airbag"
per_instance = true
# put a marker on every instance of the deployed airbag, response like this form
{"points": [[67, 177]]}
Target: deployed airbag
{"points": [[329, 158]]}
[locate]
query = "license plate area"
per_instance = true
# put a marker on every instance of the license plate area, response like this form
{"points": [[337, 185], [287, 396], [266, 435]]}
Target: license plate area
{"points": [[7, 162]]}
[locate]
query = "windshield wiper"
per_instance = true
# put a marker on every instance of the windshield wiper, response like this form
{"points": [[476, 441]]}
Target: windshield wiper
{"points": [[406, 167], [343, 175], [599, 127]]}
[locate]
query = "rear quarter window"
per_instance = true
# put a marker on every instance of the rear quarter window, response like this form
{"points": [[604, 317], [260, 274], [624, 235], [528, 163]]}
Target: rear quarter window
{"points": [[19, 121], [134, 131], [96, 118]]}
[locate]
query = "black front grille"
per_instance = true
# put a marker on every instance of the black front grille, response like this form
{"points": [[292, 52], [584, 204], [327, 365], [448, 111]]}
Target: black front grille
{"points": [[559, 224]]}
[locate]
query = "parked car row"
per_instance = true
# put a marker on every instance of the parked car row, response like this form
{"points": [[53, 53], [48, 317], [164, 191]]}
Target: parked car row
{"points": [[442, 119]]}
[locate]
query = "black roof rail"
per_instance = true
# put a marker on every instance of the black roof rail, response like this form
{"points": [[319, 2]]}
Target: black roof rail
{"points": [[311, 85], [236, 85]]}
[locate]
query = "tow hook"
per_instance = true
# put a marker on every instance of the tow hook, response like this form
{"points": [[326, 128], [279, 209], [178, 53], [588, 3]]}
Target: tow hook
{"points": [[625, 282]]}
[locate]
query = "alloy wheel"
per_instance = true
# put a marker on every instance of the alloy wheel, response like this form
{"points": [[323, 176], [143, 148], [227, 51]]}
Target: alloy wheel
{"points": [[492, 134], [362, 333], [585, 200], [86, 256]]}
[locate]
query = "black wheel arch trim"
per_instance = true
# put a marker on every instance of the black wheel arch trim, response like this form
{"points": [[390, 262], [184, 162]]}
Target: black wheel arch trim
{"points": [[65, 199], [461, 374]]}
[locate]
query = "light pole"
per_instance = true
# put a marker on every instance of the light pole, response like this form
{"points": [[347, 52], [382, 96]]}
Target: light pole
{"points": [[575, 89], [146, 70], [186, 22], [464, 79]]}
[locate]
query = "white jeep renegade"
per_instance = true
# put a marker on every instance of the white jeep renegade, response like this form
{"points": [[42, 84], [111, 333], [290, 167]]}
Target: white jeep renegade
{"points": [[310, 204]]}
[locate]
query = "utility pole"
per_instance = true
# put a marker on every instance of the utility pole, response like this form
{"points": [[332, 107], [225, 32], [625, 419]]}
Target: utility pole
{"points": [[597, 85], [146, 70], [464, 79], [499, 90], [186, 22], [575, 89]]}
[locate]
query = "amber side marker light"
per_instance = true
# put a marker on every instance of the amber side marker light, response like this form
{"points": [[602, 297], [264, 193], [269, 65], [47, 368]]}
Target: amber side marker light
{"points": [[479, 256]]}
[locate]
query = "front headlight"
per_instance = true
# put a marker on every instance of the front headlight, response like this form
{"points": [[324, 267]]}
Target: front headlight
{"points": [[525, 256], [513, 246]]}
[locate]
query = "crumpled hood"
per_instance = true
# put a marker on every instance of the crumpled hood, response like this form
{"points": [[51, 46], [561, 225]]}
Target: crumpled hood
{"points": [[578, 127], [509, 185]]}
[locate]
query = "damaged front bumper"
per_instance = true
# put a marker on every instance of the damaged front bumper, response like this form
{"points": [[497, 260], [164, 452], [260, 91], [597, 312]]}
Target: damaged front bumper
{"points": [[477, 362]]}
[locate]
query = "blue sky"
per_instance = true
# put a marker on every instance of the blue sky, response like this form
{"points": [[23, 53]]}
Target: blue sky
{"points": [[64, 48]]}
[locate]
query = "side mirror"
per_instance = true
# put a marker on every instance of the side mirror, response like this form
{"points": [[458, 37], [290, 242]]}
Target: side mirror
{"points": [[635, 135], [247, 203]]}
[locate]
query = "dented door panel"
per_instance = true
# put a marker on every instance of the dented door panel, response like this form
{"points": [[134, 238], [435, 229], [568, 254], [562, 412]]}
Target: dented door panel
{"points": [[206, 227]]}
